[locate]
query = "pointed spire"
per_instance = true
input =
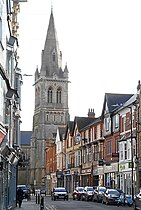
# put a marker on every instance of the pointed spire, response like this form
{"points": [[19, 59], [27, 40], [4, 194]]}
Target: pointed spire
{"points": [[51, 58]]}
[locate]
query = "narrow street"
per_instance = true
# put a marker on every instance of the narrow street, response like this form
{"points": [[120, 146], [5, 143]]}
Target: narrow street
{"points": [[69, 205]]}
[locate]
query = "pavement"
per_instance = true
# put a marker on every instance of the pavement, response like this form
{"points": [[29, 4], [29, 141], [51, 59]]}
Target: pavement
{"points": [[29, 205]]}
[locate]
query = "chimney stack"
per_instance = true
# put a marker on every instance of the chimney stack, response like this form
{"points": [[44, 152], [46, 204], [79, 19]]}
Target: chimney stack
{"points": [[91, 113]]}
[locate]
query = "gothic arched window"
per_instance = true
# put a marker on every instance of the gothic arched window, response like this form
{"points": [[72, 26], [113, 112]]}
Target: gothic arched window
{"points": [[50, 95], [59, 93]]}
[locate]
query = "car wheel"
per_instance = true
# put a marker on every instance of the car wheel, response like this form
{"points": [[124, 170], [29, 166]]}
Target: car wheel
{"points": [[107, 202]]}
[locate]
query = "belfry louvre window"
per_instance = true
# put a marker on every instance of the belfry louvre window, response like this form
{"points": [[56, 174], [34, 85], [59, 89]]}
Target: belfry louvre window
{"points": [[50, 95], [59, 93]]}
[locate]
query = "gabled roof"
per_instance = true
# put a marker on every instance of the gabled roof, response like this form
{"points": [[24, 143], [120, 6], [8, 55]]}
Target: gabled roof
{"points": [[95, 121], [114, 101], [83, 121], [70, 127], [26, 137], [62, 131]]}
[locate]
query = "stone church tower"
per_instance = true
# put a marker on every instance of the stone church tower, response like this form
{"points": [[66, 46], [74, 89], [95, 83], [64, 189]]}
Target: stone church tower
{"points": [[51, 103]]}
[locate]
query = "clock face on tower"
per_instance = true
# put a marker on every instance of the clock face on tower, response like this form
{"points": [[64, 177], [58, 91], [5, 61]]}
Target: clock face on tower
{"points": [[77, 138]]}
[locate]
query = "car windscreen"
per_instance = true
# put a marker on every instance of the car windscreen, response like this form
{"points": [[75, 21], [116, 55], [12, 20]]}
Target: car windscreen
{"points": [[102, 189], [113, 192], [90, 189], [81, 189], [59, 190]]}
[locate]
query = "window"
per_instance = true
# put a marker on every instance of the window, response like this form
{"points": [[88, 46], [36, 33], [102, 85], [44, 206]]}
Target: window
{"points": [[116, 121], [125, 150], [50, 95], [59, 96], [109, 147], [117, 144], [101, 151], [124, 123], [107, 123], [121, 151], [95, 152]]}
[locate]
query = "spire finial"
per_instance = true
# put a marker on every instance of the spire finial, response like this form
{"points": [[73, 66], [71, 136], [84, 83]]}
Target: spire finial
{"points": [[51, 7]]}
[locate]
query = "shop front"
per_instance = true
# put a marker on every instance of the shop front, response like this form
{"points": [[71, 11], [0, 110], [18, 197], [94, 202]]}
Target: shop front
{"points": [[86, 177], [68, 180], [125, 172], [111, 175], [98, 174], [75, 178]]}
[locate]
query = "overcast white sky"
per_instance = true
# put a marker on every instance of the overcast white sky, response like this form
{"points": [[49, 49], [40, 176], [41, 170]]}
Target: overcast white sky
{"points": [[100, 40]]}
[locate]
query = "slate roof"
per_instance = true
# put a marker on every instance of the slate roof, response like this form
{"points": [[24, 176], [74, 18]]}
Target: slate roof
{"points": [[83, 121], [62, 131], [115, 100], [26, 137], [70, 127]]}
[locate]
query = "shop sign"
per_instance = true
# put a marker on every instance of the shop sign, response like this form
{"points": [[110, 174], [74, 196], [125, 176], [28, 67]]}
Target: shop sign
{"points": [[95, 171], [74, 172], [86, 171], [111, 168], [130, 165], [122, 167], [100, 170], [67, 172]]}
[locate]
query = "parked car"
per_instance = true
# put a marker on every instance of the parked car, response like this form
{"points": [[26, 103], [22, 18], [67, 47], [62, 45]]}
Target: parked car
{"points": [[59, 193], [41, 191], [98, 193], [137, 202], [111, 196], [126, 200], [78, 192], [88, 193], [26, 191]]}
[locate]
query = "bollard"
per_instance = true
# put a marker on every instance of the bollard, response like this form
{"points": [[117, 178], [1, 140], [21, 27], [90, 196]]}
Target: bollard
{"points": [[42, 203], [38, 199]]}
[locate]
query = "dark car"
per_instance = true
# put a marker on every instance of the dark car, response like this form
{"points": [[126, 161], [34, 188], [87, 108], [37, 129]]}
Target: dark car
{"points": [[98, 193], [59, 193], [88, 193], [78, 193], [26, 191], [111, 196]]}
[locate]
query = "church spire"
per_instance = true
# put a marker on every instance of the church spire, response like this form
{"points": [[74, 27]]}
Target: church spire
{"points": [[51, 55]]}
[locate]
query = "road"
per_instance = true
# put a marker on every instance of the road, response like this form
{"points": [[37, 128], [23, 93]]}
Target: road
{"points": [[79, 205]]}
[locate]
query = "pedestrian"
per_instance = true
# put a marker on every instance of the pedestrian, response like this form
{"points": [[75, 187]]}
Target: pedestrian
{"points": [[19, 196], [33, 191]]}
